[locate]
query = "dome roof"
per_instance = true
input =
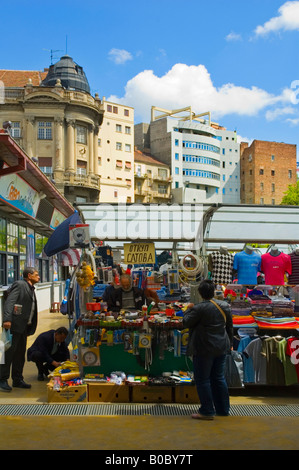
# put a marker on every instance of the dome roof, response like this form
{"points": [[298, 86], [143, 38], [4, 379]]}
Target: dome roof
{"points": [[69, 73]]}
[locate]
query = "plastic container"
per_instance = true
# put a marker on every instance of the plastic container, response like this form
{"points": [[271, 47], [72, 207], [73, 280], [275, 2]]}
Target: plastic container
{"points": [[93, 306]]}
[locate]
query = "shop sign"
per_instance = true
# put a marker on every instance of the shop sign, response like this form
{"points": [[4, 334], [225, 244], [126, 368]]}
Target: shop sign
{"points": [[19, 194], [139, 253], [56, 219]]}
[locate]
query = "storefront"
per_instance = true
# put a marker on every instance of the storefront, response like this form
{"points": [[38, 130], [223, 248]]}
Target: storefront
{"points": [[30, 209]]}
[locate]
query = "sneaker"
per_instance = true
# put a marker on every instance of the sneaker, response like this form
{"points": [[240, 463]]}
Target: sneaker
{"points": [[203, 417], [4, 386]]}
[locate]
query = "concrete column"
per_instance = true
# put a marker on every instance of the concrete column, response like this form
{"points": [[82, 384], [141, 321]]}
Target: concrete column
{"points": [[96, 150], [58, 164], [70, 150], [90, 149], [30, 137]]}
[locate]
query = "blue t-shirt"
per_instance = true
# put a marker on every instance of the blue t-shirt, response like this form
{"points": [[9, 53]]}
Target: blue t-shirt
{"points": [[247, 266]]}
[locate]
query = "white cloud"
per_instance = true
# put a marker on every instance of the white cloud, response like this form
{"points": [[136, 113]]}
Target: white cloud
{"points": [[185, 85], [273, 114], [233, 37], [287, 20], [120, 56]]}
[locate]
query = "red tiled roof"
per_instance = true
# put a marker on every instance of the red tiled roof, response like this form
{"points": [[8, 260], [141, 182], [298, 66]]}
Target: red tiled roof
{"points": [[146, 158], [19, 78]]}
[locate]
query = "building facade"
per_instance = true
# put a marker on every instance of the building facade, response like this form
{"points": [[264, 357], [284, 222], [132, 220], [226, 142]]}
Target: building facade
{"points": [[204, 157], [152, 179], [56, 121], [116, 153], [267, 169]]}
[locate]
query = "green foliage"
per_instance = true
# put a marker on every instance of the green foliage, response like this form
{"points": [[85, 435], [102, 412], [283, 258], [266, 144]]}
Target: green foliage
{"points": [[291, 196]]}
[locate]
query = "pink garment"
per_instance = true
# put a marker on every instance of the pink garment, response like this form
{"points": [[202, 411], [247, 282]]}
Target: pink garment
{"points": [[275, 267]]}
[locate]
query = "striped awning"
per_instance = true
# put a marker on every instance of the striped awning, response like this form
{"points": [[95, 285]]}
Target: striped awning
{"points": [[70, 257]]}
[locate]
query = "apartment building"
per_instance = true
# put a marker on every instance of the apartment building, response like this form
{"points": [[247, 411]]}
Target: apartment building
{"points": [[203, 157], [116, 153], [152, 179], [56, 120], [267, 170]]}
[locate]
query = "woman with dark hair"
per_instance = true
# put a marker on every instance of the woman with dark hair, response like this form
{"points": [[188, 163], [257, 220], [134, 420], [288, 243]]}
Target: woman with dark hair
{"points": [[210, 340]]}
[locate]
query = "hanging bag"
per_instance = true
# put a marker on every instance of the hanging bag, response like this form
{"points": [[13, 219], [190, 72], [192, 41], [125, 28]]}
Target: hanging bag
{"points": [[6, 339]]}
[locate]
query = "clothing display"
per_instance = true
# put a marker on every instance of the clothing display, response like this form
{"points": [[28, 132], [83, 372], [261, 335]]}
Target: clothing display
{"points": [[294, 275], [275, 267], [247, 266], [221, 265]]}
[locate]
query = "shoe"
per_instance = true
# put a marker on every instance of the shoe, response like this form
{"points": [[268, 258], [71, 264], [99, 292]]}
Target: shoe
{"points": [[21, 384], [4, 386], [203, 417]]}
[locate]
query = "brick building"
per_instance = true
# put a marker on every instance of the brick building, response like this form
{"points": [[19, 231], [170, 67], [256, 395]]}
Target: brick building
{"points": [[267, 170]]}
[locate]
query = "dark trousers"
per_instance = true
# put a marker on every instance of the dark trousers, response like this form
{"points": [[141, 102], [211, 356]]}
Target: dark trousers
{"points": [[14, 358], [211, 384], [43, 367]]}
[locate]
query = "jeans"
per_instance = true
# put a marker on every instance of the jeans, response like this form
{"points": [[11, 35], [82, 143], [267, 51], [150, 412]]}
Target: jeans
{"points": [[211, 385]]}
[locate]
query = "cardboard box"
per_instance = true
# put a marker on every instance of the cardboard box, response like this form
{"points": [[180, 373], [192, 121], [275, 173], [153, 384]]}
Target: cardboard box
{"points": [[185, 394], [152, 394], [108, 392], [76, 394]]}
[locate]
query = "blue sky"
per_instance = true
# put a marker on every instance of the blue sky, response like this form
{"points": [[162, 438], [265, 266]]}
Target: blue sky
{"points": [[237, 59]]}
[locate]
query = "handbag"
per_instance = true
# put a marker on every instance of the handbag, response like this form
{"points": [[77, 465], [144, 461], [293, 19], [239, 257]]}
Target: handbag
{"points": [[63, 307]]}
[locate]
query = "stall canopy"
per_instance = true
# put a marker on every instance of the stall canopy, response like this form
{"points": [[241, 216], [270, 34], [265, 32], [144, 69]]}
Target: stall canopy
{"points": [[60, 239], [192, 226]]}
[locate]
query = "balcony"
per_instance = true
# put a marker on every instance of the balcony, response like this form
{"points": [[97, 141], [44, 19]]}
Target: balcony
{"points": [[88, 181]]}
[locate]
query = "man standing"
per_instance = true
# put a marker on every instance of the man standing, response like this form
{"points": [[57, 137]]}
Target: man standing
{"points": [[20, 316], [49, 350]]}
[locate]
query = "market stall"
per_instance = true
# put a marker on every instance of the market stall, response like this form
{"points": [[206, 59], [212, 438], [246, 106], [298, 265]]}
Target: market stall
{"points": [[140, 355]]}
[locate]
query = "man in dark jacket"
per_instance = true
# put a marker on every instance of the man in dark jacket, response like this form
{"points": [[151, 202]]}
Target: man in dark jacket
{"points": [[20, 317], [48, 351], [125, 297], [210, 340]]}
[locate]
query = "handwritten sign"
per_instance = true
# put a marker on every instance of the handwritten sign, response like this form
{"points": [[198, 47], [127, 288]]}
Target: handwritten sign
{"points": [[139, 253]]}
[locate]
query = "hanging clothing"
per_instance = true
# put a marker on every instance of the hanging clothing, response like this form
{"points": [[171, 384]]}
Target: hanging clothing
{"points": [[222, 267], [247, 266], [294, 276], [275, 267]]}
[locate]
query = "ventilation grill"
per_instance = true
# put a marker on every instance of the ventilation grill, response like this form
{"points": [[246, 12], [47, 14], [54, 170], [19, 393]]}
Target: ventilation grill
{"points": [[45, 211], [139, 410]]}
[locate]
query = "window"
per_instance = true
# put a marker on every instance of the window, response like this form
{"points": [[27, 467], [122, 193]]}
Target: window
{"points": [[290, 174], [126, 112], [44, 130], [119, 163], [262, 186], [272, 172], [127, 129], [273, 202], [99, 142], [115, 109], [115, 193], [261, 171], [81, 135], [15, 130], [118, 146], [12, 238], [118, 128], [2, 234], [81, 199], [262, 200], [109, 108], [176, 156], [162, 189], [128, 147], [273, 188], [81, 167], [177, 171], [272, 158], [176, 142]]}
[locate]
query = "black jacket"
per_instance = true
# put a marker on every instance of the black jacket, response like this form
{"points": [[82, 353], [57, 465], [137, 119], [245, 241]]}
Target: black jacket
{"points": [[44, 344], [209, 334], [113, 297], [23, 294]]}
